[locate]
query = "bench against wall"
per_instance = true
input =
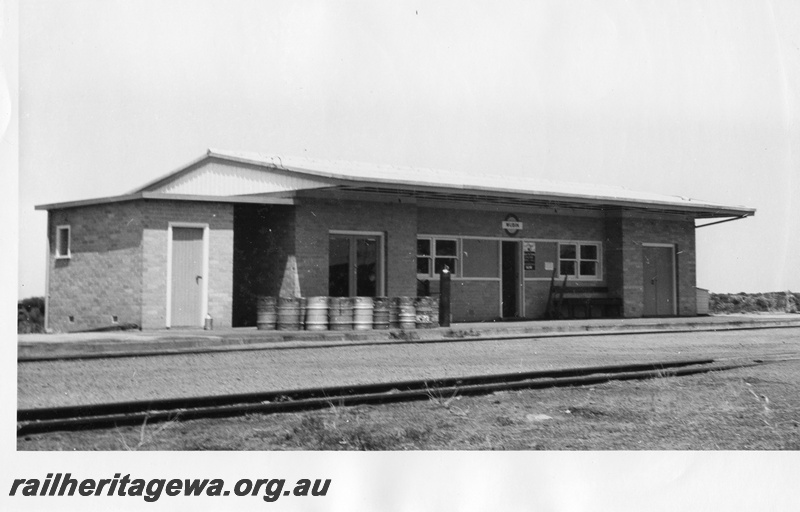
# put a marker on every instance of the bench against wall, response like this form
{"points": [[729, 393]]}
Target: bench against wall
{"points": [[567, 302], [589, 302]]}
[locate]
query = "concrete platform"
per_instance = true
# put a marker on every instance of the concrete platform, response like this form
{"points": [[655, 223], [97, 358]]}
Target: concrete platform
{"points": [[37, 347]]}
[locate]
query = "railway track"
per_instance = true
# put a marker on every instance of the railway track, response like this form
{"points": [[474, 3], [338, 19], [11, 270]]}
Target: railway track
{"points": [[50, 419]]}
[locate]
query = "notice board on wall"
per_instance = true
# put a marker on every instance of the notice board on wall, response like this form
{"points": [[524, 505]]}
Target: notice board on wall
{"points": [[529, 255], [538, 258]]}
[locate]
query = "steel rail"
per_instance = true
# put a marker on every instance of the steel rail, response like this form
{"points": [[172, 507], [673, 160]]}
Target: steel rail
{"points": [[36, 414], [127, 413]]}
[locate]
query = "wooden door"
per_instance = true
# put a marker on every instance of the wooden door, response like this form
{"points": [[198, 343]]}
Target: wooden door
{"points": [[187, 277], [659, 280]]}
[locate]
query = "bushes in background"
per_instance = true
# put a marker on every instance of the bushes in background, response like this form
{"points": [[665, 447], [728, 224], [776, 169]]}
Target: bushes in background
{"points": [[30, 315], [30, 311], [771, 302]]}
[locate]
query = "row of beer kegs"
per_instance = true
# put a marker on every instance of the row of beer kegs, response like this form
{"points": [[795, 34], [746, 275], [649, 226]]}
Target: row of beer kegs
{"points": [[346, 313]]}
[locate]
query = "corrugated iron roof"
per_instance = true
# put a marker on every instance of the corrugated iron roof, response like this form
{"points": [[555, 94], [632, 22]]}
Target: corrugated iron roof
{"points": [[435, 185], [470, 183]]}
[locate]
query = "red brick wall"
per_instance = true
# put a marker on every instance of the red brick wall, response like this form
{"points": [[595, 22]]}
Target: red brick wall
{"points": [[103, 277]]}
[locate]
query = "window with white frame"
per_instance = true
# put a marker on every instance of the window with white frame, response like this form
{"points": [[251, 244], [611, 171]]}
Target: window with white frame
{"points": [[63, 242], [433, 254], [579, 260]]}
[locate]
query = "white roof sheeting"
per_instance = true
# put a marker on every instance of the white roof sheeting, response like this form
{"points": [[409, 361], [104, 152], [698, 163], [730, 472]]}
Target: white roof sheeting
{"points": [[467, 183], [258, 173], [215, 179]]}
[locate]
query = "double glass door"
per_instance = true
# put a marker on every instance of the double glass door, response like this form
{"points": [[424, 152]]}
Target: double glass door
{"points": [[355, 265]]}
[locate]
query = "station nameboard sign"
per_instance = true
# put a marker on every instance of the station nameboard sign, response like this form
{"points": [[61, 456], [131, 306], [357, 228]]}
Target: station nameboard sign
{"points": [[512, 224]]}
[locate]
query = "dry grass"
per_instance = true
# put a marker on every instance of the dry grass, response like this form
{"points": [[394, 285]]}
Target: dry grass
{"points": [[744, 409], [146, 436]]}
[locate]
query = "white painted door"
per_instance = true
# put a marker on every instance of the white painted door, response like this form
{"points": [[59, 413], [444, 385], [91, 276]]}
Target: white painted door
{"points": [[187, 277]]}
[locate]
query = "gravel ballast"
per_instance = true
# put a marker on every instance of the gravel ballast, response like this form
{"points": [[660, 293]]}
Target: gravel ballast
{"points": [[75, 382]]}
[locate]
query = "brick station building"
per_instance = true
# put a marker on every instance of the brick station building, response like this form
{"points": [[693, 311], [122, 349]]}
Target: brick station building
{"points": [[211, 236]]}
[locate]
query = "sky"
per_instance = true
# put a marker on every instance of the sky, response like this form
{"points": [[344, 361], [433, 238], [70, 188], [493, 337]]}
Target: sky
{"points": [[694, 98]]}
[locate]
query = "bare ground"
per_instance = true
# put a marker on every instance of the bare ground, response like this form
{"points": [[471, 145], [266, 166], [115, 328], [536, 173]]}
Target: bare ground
{"points": [[43, 384], [756, 408]]}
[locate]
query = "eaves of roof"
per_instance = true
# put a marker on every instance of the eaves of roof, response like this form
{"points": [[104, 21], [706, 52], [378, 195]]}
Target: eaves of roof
{"points": [[261, 199], [430, 184]]}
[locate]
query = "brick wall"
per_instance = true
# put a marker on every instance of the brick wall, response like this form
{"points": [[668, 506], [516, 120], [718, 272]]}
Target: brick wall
{"points": [[638, 229], [536, 293], [249, 238], [542, 225], [474, 301], [103, 277], [263, 240], [536, 225], [276, 243], [157, 215], [612, 257], [303, 230], [315, 218], [119, 255]]}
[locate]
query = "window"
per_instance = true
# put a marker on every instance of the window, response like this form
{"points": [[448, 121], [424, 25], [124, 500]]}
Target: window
{"points": [[62, 242], [567, 257], [579, 260], [434, 253], [424, 256]]}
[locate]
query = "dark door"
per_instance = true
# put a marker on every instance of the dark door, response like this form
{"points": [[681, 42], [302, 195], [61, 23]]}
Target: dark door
{"points": [[339, 266], [187, 277], [659, 281], [510, 279], [366, 266], [354, 266]]}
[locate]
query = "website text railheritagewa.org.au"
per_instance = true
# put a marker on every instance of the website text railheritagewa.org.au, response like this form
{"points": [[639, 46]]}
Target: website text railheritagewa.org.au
{"points": [[64, 484]]}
